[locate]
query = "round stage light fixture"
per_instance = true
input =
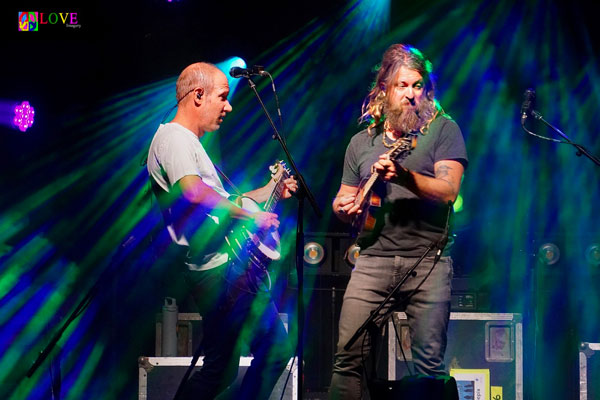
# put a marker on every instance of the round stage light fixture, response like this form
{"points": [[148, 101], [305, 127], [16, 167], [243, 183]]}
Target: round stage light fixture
{"points": [[592, 254], [24, 114], [314, 253], [548, 254], [352, 254]]}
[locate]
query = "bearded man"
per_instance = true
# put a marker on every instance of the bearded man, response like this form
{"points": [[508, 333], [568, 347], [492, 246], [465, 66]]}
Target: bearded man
{"points": [[416, 190]]}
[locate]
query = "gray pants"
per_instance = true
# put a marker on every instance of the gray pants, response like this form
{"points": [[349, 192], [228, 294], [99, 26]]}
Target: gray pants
{"points": [[428, 312]]}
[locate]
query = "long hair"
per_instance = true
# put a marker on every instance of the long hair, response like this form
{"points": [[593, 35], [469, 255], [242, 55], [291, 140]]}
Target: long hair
{"points": [[394, 58]]}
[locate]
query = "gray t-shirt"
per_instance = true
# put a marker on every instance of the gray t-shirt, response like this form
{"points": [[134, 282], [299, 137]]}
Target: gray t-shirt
{"points": [[406, 224], [176, 152]]}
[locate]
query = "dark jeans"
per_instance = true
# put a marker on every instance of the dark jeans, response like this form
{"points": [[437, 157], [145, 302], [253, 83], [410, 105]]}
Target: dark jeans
{"points": [[428, 312], [234, 313]]}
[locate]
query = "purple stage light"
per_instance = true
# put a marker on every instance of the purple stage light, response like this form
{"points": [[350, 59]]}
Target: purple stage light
{"points": [[23, 116]]}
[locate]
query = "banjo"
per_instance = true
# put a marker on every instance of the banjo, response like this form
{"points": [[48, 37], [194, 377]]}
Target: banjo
{"points": [[261, 247]]}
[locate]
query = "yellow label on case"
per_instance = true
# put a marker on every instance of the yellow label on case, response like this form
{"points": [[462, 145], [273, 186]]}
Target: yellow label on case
{"points": [[496, 392], [472, 383]]}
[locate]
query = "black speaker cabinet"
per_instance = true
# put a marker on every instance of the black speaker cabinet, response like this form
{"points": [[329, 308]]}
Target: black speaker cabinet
{"points": [[324, 263], [320, 337], [324, 253]]}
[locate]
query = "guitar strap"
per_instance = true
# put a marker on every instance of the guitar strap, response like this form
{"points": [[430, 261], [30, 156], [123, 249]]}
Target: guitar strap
{"points": [[226, 179]]}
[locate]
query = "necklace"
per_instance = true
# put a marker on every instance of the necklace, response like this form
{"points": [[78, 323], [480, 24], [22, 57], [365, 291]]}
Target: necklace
{"points": [[386, 144], [409, 137], [386, 128]]}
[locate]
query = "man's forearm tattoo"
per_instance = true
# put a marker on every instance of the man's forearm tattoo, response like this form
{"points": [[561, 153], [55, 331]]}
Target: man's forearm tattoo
{"points": [[442, 171]]}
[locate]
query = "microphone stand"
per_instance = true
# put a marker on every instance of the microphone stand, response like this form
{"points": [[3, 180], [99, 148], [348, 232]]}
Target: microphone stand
{"points": [[302, 193], [375, 313], [580, 149]]}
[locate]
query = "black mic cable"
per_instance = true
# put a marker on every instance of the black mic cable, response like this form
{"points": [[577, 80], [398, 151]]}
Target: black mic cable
{"points": [[441, 244], [258, 70], [276, 104]]}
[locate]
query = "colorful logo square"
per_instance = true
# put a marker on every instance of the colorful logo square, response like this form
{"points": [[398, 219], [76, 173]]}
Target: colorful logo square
{"points": [[28, 21]]}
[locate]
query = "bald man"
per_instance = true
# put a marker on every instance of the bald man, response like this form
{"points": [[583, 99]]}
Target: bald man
{"points": [[195, 208]]}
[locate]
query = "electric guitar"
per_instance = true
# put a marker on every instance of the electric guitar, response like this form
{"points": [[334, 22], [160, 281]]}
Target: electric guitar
{"points": [[255, 246], [364, 222]]}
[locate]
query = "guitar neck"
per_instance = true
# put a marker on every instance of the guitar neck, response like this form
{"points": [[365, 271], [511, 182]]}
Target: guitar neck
{"points": [[276, 194], [366, 188], [401, 147]]}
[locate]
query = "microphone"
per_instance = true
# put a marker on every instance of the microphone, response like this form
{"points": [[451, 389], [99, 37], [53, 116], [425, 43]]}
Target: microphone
{"points": [[526, 107], [237, 72]]}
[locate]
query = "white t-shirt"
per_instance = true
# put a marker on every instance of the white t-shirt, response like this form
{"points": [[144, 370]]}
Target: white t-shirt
{"points": [[176, 152]]}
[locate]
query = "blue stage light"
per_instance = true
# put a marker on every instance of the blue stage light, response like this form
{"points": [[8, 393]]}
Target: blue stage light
{"points": [[226, 65]]}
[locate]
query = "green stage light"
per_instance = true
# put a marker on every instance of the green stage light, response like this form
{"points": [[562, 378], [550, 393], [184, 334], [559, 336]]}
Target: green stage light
{"points": [[458, 204]]}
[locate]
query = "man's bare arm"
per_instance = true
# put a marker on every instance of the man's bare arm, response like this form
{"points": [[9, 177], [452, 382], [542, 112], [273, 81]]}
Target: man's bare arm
{"points": [[343, 203], [442, 188], [194, 190]]}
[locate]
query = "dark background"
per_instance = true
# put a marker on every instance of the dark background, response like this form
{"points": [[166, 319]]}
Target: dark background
{"points": [[519, 192]]}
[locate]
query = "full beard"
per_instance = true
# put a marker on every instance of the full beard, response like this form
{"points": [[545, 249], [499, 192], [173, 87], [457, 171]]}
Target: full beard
{"points": [[409, 119]]}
